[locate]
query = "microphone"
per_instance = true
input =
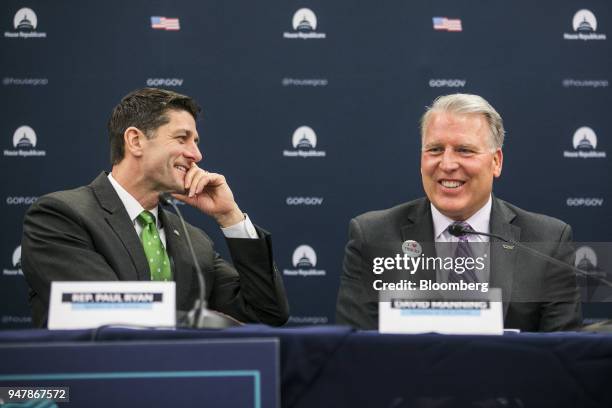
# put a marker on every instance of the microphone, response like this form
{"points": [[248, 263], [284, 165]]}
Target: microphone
{"points": [[199, 316], [458, 230], [603, 326]]}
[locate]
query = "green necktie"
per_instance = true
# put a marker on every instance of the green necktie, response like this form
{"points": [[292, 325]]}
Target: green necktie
{"points": [[159, 264]]}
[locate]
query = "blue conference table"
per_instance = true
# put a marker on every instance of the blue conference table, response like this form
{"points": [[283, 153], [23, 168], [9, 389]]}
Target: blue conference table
{"points": [[329, 366]]}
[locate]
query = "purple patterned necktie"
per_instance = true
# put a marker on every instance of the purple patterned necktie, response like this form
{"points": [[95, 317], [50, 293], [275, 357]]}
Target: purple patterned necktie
{"points": [[463, 251]]}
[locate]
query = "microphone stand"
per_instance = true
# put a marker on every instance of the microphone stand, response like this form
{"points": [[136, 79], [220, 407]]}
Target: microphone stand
{"points": [[199, 317], [458, 230], [600, 327]]}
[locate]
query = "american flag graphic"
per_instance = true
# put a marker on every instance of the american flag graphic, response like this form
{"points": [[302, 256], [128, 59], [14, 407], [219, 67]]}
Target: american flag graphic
{"points": [[163, 23], [448, 24]]}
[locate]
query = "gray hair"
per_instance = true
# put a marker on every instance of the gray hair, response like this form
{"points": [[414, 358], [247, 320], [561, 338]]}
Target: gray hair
{"points": [[464, 104]]}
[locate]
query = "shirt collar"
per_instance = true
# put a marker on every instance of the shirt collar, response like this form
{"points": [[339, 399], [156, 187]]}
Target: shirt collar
{"points": [[479, 221], [132, 206]]}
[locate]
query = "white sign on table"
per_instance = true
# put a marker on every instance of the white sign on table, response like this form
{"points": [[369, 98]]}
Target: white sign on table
{"points": [[83, 305]]}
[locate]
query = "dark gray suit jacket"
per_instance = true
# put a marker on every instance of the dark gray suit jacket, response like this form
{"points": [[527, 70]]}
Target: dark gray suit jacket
{"points": [[85, 234], [538, 296]]}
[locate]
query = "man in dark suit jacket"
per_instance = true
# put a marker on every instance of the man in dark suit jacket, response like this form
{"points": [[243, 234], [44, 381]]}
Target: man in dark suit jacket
{"points": [[92, 233], [462, 137]]}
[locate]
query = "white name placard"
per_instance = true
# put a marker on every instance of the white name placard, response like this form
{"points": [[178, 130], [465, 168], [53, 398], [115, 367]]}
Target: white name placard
{"points": [[449, 312], [83, 305]]}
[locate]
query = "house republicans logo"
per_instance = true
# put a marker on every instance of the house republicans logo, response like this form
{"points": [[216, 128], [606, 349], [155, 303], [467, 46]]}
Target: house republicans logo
{"points": [[584, 24], [25, 23], [304, 141], [585, 202], [16, 264], [157, 82], [307, 201], [586, 259], [447, 83], [24, 143], [304, 261], [585, 145], [304, 26]]}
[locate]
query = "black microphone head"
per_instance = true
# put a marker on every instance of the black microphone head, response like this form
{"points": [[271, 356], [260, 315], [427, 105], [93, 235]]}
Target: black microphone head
{"points": [[456, 230], [165, 198]]}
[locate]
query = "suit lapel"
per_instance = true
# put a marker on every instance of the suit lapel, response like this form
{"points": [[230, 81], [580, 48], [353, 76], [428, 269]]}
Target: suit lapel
{"points": [[503, 256], [119, 220], [419, 228], [180, 257]]}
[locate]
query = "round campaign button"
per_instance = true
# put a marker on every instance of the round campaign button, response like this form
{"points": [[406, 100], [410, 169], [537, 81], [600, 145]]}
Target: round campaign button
{"points": [[412, 248]]}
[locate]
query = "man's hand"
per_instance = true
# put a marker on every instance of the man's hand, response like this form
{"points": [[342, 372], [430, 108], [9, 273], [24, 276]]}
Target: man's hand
{"points": [[210, 193]]}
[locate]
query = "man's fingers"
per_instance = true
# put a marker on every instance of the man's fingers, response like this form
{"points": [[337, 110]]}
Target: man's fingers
{"points": [[191, 173], [199, 184]]}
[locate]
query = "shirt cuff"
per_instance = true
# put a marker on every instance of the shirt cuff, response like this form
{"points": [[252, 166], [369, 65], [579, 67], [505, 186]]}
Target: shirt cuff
{"points": [[244, 229]]}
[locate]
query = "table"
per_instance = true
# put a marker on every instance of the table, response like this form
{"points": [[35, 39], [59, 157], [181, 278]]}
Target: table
{"points": [[339, 367]]}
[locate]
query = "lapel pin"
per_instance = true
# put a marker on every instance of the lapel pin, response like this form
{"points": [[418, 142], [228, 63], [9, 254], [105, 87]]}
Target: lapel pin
{"points": [[412, 248], [176, 233], [506, 246]]}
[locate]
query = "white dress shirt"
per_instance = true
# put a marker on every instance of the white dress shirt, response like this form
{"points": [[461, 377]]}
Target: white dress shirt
{"points": [[243, 229], [479, 222]]}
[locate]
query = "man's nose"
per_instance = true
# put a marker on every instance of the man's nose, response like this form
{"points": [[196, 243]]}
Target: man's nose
{"points": [[449, 160], [193, 153]]}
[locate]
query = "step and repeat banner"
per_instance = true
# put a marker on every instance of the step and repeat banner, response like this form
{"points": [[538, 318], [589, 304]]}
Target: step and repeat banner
{"points": [[311, 110]]}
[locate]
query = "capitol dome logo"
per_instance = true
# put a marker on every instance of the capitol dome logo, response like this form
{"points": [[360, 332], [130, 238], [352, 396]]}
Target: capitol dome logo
{"points": [[304, 261], [585, 144], [304, 257], [585, 139], [304, 142], [24, 138], [16, 262], [584, 24], [304, 20], [25, 20], [25, 23], [586, 259], [17, 257], [304, 25], [304, 138], [24, 143]]}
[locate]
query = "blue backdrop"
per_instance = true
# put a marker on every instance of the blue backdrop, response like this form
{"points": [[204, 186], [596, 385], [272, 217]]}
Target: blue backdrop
{"points": [[357, 74]]}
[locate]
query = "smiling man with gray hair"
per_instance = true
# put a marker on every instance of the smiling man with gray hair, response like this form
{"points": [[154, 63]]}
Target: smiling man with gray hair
{"points": [[462, 137]]}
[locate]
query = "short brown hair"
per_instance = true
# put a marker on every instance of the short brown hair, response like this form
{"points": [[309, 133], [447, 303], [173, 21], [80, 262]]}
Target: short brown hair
{"points": [[146, 110]]}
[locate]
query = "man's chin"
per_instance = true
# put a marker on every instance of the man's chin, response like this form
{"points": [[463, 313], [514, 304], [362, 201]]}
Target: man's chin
{"points": [[173, 189], [453, 210]]}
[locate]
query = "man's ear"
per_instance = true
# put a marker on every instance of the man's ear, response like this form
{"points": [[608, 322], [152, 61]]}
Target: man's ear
{"points": [[133, 140], [498, 161]]}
